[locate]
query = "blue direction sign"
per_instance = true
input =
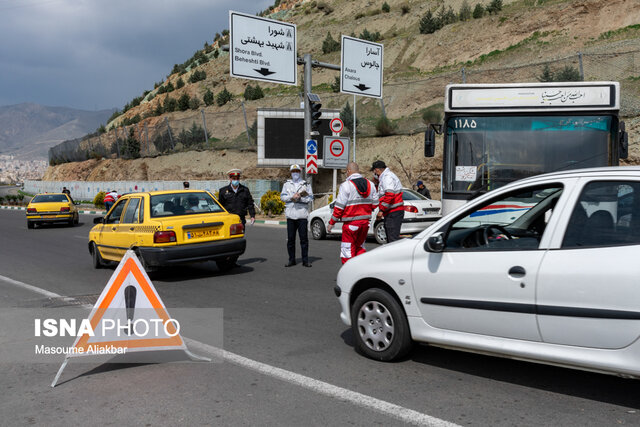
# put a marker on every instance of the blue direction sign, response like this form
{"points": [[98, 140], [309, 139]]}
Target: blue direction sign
{"points": [[312, 146]]}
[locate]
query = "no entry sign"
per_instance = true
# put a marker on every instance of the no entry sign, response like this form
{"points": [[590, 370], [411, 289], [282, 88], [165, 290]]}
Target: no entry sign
{"points": [[336, 152]]}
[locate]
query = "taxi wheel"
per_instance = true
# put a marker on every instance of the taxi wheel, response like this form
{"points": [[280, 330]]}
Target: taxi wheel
{"points": [[76, 221], [380, 326], [227, 263], [30, 225], [318, 230], [96, 258]]}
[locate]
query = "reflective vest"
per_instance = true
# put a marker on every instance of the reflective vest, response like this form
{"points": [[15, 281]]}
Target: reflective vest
{"points": [[357, 198]]}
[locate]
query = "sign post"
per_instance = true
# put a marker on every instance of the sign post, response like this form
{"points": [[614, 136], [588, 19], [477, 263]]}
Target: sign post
{"points": [[360, 72], [262, 49]]}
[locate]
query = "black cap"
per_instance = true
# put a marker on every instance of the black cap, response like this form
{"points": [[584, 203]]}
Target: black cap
{"points": [[378, 164]]}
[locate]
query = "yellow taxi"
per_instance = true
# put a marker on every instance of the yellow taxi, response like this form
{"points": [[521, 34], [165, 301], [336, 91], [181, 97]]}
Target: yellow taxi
{"points": [[51, 207], [166, 228]]}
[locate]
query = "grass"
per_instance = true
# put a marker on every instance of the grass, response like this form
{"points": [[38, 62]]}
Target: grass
{"points": [[620, 31]]}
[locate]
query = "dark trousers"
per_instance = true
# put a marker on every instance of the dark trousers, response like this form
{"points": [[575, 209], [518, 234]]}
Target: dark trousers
{"points": [[299, 226], [392, 224]]}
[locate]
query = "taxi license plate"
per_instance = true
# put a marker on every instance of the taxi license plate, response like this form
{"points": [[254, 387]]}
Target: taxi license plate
{"points": [[202, 233], [48, 216]]}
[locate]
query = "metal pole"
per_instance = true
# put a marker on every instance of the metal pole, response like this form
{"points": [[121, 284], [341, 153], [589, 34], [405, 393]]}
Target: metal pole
{"points": [[335, 183], [384, 113], [307, 107], [246, 125], [581, 69], [204, 124], [354, 127], [464, 75]]}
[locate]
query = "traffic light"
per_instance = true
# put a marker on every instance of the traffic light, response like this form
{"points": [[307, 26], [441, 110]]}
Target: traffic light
{"points": [[314, 108]]}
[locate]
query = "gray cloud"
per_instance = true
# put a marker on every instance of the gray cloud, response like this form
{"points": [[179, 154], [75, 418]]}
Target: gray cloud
{"points": [[97, 54]]}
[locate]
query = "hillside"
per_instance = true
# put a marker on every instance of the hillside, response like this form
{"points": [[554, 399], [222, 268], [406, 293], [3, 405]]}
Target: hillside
{"points": [[509, 46], [28, 130]]}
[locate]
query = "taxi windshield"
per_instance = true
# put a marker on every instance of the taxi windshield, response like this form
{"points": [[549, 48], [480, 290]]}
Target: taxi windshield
{"points": [[50, 198], [173, 204]]}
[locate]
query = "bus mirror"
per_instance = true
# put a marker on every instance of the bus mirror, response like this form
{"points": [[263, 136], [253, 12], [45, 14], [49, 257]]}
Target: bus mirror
{"points": [[429, 143], [624, 145]]}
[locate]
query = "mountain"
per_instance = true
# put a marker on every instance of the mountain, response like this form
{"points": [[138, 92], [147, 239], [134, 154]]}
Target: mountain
{"points": [[28, 130]]}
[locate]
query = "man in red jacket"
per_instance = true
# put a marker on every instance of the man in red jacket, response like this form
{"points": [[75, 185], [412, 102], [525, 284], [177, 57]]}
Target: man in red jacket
{"points": [[391, 203], [357, 198]]}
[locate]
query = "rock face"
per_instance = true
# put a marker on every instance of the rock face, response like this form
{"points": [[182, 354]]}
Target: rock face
{"points": [[510, 46]]}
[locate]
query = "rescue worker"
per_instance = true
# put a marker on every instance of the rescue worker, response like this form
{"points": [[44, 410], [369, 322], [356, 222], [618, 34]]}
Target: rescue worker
{"points": [[296, 195], [109, 199], [391, 204], [357, 198], [236, 198]]}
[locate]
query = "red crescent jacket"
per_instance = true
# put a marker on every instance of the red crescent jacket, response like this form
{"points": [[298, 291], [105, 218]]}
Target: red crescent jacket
{"points": [[390, 193], [357, 198]]}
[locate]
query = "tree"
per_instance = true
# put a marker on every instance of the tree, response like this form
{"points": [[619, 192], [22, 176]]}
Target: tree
{"points": [[180, 83], [547, 74], [183, 102], [478, 11], [131, 146], [252, 93], [347, 118], [208, 97], [429, 24], [568, 74], [494, 7], [465, 11], [335, 86], [385, 7], [169, 105], [330, 45], [223, 97]]}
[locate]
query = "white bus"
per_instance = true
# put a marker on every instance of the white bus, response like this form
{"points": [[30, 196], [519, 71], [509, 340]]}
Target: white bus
{"points": [[498, 133]]}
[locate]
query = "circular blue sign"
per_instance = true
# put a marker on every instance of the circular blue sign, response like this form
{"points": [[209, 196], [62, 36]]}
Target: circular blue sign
{"points": [[312, 146]]}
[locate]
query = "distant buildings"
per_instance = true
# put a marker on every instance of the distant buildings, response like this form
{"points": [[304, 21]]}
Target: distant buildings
{"points": [[13, 170]]}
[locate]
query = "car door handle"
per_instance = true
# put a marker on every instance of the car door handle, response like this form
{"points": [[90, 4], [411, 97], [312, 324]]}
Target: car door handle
{"points": [[113, 228], [131, 228], [517, 272]]}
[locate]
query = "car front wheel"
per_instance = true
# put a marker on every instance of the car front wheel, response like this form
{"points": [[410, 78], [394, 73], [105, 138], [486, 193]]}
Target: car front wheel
{"points": [[318, 230], [380, 326], [95, 256]]}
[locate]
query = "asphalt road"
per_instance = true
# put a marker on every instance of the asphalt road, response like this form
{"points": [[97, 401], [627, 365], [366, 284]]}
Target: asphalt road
{"points": [[285, 318]]}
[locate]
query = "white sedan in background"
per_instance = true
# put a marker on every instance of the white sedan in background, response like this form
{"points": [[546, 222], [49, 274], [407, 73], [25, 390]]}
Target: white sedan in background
{"points": [[419, 214], [543, 269]]}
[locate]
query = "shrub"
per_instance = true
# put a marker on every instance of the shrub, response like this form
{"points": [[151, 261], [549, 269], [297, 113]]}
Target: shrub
{"points": [[271, 204], [330, 45], [429, 24], [98, 200], [170, 105], [405, 9], [384, 127], [335, 86], [216, 53], [359, 15], [223, 97], [131, 149], [478, 11], [251, 93], [372, 37], [433, 114], [194, 103], [385, 7], [568, 74], [180, 83], [494, 7], [169, 87], [1, 200], [547, 74], [183, 102], [197, 76], [347, 118], [208, 97], [465, 11]]}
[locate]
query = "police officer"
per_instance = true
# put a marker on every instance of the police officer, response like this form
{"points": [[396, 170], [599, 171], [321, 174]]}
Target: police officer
{"points": [[236, 198], [296, 195]]}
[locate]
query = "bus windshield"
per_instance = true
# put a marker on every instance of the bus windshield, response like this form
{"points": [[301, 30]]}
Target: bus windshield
{"points": [[484, 153]]}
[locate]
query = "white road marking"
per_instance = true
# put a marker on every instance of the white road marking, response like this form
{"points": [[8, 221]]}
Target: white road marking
{"points": [[392, 410]]}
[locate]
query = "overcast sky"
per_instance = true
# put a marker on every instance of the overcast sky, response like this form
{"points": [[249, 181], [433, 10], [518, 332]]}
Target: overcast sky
{"points": [[100, 54]]}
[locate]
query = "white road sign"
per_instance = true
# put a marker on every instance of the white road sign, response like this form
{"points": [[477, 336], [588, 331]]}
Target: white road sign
{"points": [[361, 67], [336, 152], [262, 49]]}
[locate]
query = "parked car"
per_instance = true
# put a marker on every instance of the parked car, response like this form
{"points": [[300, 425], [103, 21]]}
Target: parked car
{"points": [[420, 213], [167, 228], [50, 208], [543, 269]]}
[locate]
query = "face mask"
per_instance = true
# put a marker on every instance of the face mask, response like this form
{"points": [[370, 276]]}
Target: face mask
{"points": [[235, 182], [376, 175], [295, 176]]}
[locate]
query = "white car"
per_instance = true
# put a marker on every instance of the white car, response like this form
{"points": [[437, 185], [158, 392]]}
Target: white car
{"points": [[419, 214], [557, 282]]}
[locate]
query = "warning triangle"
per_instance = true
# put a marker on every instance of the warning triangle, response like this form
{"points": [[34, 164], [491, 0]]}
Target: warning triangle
{"points": [[129, 314]]}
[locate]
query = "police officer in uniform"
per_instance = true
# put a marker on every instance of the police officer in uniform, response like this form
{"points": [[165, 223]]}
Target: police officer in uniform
{"points": [[236, 198]]}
